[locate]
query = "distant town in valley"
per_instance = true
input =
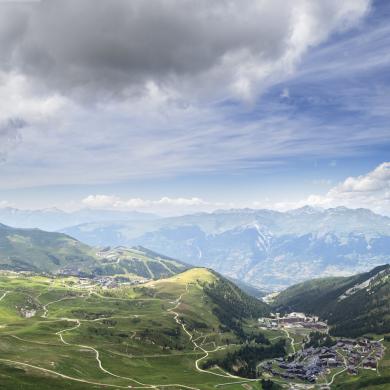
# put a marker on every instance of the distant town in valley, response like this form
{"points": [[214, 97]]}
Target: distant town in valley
{"points": [[314, 355]]}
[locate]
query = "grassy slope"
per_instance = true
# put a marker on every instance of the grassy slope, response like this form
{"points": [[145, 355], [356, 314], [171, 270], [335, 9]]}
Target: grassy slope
{"points": [[39, 251], [129, 262], [306, 296], [36, 250], [134, 331]]}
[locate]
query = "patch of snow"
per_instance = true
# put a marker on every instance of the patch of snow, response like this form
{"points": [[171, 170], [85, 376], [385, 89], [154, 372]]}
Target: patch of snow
{"points": [[366, 285]]}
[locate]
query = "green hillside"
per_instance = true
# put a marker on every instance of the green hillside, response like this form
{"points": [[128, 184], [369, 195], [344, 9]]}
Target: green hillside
{"points": [[45, 252], [135, 262], [353, 306], [40, 251], [66, 332]]}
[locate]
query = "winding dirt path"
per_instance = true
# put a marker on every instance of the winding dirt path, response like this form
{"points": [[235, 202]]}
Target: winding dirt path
{"points": [[291, 340], [135, 384], [197, 346], [97, 354], [4, 295], [14, 362], [46, 310], [140, 385]]}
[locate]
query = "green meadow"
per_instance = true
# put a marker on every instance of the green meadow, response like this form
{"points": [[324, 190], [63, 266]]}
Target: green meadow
{"points": [[78, 337]]}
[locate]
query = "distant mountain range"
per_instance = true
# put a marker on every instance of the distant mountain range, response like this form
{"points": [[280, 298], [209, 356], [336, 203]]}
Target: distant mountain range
{"points": [[53, 219], [353, 306], [269, 249]]}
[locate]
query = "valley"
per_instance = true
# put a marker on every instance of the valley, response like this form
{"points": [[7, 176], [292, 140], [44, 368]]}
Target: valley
{"points": [[192, 330], [75, 316]]}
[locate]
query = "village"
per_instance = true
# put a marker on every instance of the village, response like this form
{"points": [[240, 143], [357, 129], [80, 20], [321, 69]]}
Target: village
{"points": [[312, 364], [320, 354], [109, 282], [294, 320]]}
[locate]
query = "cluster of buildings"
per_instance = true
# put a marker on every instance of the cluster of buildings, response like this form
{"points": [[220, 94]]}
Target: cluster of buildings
{"points": [[310, 363], [307, 365], [107, 282], [361, 353], [27, 313], [297, 320]]}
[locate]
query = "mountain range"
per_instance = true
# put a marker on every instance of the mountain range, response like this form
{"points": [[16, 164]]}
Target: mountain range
{"points": [[53, 219], [163, 321], [266, 248], [353, 305]]}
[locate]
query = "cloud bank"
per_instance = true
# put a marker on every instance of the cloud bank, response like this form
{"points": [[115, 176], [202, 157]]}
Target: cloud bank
{"points": [[98, 49], [163, 206], [371, 191]]}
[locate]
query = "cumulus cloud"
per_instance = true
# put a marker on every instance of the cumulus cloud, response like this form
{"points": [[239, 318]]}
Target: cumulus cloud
{"points": [[373, 182], [98, 49], [21, 109], [371, 190], [4, 203], [163, 206]]}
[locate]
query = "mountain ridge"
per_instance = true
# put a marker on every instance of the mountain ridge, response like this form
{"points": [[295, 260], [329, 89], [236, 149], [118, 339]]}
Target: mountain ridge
{"points": [[38, 251], [53, 218]]}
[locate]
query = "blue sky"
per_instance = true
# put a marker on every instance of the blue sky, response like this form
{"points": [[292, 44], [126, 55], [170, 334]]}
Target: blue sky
{"points": [[272, 107]]}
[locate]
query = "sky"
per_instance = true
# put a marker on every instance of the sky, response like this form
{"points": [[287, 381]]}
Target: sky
{"points": [[177, 106]]}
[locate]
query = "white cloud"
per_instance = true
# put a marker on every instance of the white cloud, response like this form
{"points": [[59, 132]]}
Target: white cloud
{"points": [[371, 190], [18, 98], [4, 203], [373, 182], [22, 109], [163, 206], [101, 201]]}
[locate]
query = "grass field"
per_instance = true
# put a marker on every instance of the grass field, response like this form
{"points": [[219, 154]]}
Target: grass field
{"points": [[80, 337]]}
